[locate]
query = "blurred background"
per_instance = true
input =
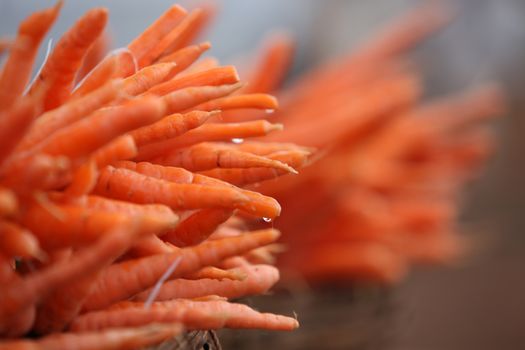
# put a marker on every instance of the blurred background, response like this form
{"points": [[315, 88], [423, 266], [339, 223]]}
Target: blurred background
{"points": [[479, 303]]}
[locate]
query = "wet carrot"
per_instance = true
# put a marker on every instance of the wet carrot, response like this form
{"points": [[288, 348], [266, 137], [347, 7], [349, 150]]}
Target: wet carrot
{"points": [[121, 148]]}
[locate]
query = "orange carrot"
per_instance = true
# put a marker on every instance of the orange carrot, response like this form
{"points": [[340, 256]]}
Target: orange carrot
{"points": [[170, 127], [17, 69], [258, 101], [120, 281], [134, 187], [148, 39], [206, 156], [260, 278], [121, 148], [203, 16], [15, 121], [213, 314], [110, 339], [94, 55], [171, 41], [221, 132], [149, 246], [58, 73], [216, 273], [197, 227], [214, 76], [118, 64], [183, 99], [101, 127], [84, 180], [186, 56], [147, 77], [58, 225], [275, 61], [69, 113]]}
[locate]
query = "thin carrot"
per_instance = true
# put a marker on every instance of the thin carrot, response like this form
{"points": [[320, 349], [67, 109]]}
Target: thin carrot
{"points": [[134, 187], [221, 132], [259, 279], [202, 18], [15, 121], [59, 225], [183, 99], [117, 65], [58, 73], [149, 246], [101, 127], [8, 202], [245, 101], [110, 339], [213, 314], [202, 65], [69, 113], [171, 40], [147, 78], [216, 273], [121, 148], [150, 37], [84, 180], [118, 282], [94, 55], [170, 127], [17, 69], [206, 156], [211, 77], [197, 227], [186, 56]]}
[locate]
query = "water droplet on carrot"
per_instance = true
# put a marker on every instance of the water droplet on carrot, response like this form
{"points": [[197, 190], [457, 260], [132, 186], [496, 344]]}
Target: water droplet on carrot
{"points": [[267, 219], [269, 111], [237, 141]]}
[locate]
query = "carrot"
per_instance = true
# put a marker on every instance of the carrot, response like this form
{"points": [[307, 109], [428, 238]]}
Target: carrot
{"points": [[5, 44], [94, 55], [214, 314], [170, 127], [129, 209], [202, 65], [183, 99], [111, 339], [204, 15], [60, 225], [121, 148], [260, 278], [118, 64], [273, 65], [258, 101], [211, 77], [69, 113], [186, 56], [15, 121], [17, 69], [148, 39], [149, 246], [101, 127], [147, 77], [120, 281], [16, 241], [171, 41], [215, 273], [134, 187], [206, 156], [197, 227], [259, 205], [8, 202], [221, 132], [40, 172], [58, 73], [19, 297], [84, 180]]}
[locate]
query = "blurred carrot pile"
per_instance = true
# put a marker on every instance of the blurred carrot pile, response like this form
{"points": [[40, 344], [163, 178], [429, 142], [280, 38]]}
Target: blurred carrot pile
{"points": [[105, 217], [383, 190]]}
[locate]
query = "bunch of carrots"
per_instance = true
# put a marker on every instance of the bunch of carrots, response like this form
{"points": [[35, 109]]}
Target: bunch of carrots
{"points": [[384, 189], [116, 173]]}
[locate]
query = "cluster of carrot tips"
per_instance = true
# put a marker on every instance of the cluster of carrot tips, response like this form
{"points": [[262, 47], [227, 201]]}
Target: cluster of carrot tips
{"points": [[119, 188], [384, 188]]}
